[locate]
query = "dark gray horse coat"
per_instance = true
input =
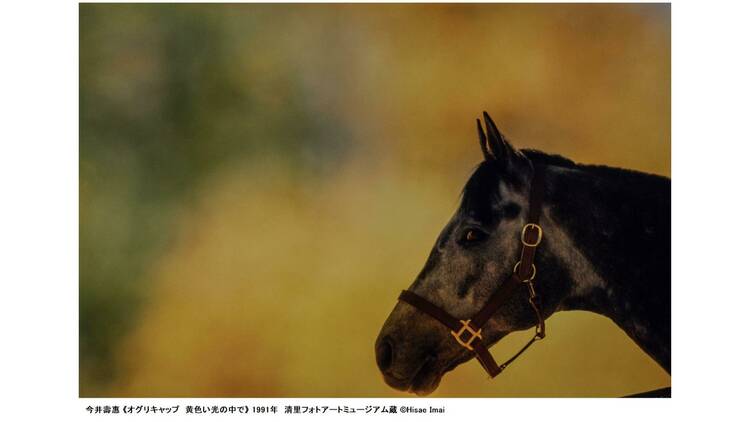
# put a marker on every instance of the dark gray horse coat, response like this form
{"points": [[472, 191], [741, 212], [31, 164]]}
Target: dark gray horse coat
{"points": [[606, 249]]}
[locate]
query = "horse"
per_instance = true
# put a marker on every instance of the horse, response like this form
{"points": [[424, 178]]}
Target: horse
{"points": [[605, 249]]}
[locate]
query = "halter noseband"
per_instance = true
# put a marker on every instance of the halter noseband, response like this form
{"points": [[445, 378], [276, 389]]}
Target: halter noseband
{"points": [[468, 333]]}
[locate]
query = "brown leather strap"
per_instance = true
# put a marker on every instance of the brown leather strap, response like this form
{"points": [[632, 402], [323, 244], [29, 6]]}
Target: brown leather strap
{"points": [[496, 300], [523, 273], [483, 355], [488, 362], [525, 267], [429, 308], [536, 195]]}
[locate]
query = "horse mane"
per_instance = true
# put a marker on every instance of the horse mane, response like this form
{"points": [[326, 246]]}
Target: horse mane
{"points": [[537, 156], [541, 157], [483, 181]]}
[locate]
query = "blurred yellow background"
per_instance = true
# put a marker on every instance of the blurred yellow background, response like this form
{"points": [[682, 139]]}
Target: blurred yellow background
{"points": [[258, 182]]}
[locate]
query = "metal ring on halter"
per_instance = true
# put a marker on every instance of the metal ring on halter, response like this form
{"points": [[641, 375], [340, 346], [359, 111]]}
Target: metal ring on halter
{"points": [[533, 271], [538, 239]]}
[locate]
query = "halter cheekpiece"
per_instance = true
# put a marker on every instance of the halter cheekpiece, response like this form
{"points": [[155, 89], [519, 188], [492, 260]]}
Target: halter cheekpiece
{"points": [[468, 332]]}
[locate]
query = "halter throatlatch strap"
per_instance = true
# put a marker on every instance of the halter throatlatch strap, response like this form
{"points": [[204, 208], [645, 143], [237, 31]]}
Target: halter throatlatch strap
{"points": [[468, 333]]}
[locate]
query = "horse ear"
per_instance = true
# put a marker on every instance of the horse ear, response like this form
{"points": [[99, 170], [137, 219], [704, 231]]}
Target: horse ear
{"points": [[496, 147], [483, 142]]}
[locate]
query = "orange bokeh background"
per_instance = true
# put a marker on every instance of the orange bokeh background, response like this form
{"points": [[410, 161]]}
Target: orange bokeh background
{"points": [[258, 182]]}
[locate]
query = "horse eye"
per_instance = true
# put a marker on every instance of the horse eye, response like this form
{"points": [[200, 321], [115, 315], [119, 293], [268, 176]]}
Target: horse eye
{"points": [[473, 236]]}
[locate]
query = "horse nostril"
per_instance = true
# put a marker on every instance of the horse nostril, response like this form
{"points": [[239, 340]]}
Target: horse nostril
{"points": [[384, 353]]}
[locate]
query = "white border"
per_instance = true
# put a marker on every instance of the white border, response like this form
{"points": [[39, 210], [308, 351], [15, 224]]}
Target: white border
{"points": [[39, 213]]}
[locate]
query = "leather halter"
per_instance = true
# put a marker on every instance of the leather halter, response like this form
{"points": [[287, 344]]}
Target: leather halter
{"points": [[468, 333]]}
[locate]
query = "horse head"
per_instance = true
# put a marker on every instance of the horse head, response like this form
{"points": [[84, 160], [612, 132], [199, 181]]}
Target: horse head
{"points": [[472, 257]]}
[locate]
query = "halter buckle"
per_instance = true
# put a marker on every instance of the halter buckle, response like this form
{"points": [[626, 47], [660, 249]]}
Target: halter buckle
{"points": [[538, 239], [467, 328]]}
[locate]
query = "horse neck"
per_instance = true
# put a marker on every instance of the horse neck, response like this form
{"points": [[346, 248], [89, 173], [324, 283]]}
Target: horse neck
{"points": [[609, 231]]}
